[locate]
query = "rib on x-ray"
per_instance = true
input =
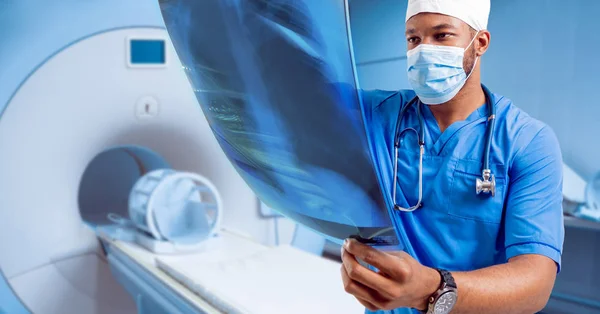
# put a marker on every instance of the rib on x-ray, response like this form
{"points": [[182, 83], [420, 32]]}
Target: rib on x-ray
{"points": [[276, 81]]}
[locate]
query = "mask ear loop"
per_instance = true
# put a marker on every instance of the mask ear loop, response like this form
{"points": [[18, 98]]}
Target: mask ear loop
{"points": [[472, 40], [476, 58]]}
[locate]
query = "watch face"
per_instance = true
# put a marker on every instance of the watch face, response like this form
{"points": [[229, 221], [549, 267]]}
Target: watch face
{"points": [[445, 303]]}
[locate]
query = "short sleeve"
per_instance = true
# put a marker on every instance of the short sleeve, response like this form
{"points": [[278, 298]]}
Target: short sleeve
{"points": [[534, 214], [384, 105], [371, 99]]}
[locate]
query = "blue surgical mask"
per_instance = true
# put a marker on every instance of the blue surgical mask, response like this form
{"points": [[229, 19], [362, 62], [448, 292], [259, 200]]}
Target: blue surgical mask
{"points": [[436, 73]]}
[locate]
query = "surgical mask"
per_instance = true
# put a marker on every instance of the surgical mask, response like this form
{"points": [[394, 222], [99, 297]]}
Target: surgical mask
{"points": [[436, 73]]}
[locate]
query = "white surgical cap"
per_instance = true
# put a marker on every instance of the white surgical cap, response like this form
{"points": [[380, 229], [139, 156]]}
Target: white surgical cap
{"points": [[473, 12]]}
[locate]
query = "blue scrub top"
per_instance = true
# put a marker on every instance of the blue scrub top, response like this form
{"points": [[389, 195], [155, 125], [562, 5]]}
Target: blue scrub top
{"points": [[456, 229]]}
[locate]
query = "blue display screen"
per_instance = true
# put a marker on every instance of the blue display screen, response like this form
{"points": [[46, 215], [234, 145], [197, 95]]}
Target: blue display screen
{"points": [[147, 51]]}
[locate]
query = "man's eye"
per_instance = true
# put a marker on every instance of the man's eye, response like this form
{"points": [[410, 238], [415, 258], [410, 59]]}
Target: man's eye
{"points": [[412, 40], [442, 36]]}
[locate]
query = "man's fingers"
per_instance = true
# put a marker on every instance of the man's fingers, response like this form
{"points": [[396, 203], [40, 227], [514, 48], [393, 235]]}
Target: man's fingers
{"points": [[368, 305], [385, 263], [367, 277], [361, 292], [399, 254], [368, 254]]}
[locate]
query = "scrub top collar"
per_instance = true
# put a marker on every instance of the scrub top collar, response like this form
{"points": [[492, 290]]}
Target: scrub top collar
{"points": [[438, 140]]}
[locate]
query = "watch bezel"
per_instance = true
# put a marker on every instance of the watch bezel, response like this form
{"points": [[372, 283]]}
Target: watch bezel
{"points": [[446, 291]]}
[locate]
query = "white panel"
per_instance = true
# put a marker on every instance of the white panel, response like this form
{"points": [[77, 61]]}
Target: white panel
{"points": [[78, 285], [573, 185]]}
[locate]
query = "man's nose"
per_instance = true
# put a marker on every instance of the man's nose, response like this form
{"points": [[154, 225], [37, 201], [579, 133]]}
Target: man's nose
{"points": [[427, 40]]}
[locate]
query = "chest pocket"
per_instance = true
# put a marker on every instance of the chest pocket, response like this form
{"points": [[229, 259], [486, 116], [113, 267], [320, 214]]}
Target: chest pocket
{"points": [[463, 199]]}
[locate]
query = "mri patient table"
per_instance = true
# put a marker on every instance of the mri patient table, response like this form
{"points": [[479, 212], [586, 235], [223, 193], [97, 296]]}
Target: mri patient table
{"points": [[233, 274]]}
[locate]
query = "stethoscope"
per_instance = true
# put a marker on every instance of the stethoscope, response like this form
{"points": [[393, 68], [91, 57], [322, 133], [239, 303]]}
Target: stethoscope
{"points": [[486, 184]]}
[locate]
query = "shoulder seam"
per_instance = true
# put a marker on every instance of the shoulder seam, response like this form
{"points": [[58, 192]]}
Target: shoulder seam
{"points": [[521, 149], [385, 99]]}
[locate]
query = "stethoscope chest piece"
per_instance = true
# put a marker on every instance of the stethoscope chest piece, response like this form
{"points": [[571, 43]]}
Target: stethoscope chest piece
{"points": [[487, 184]]}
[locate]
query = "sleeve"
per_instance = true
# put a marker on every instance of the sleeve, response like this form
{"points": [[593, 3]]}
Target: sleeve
{"points": [[370, 100], [534, 214], [384, 104]]}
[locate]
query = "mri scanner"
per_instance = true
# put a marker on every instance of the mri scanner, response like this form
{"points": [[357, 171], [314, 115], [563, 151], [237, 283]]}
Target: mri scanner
{"points": [[92, 97]]}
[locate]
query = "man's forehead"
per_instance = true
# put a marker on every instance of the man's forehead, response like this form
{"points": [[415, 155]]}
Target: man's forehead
{"points": [[433, 21]]}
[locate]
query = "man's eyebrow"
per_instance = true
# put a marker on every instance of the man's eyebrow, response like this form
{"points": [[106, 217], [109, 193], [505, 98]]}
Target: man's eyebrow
{"points": [[443, 26], [438, 27]]}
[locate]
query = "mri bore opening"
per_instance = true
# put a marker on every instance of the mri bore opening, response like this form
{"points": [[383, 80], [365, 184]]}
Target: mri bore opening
{"points": [[109, 178]]}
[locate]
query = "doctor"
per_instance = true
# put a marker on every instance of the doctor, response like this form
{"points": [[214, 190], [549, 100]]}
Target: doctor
{"points": [[483, 219]]}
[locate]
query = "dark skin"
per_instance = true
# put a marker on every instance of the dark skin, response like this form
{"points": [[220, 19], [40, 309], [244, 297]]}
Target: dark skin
{"points": [[521, 285]]}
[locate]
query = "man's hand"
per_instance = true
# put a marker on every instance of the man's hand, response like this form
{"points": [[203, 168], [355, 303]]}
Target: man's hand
{"points": [[400, 282], [522, 285]]}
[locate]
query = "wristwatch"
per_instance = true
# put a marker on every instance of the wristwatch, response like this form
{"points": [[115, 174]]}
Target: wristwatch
{"points": [[444, 299]]}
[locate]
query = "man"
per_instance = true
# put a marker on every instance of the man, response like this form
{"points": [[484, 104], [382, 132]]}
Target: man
{"points": [[490, 252]]}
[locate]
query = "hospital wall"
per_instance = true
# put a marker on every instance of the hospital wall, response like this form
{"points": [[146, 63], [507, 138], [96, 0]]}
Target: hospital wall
{"points": [[542, 56]]}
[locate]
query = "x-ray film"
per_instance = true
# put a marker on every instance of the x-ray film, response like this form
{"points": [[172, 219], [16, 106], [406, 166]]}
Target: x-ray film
{"points": [[277, 82]]}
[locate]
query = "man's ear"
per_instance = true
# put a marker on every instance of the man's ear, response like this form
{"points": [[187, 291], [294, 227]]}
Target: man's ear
{"points": [[483, 42]]}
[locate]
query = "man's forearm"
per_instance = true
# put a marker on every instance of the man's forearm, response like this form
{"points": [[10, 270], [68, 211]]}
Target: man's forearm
{"points": [[521, 286]]}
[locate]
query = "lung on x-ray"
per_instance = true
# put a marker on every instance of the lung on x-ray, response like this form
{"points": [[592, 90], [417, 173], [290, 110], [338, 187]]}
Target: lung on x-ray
{"points": [[277, 82]]}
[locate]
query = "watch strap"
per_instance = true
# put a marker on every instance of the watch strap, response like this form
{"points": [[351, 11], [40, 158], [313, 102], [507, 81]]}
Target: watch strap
{"points": [[447, 283], [447, 278]]}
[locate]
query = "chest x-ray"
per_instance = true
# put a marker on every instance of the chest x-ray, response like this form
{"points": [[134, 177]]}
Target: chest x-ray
{"points": [[276, 81]]}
